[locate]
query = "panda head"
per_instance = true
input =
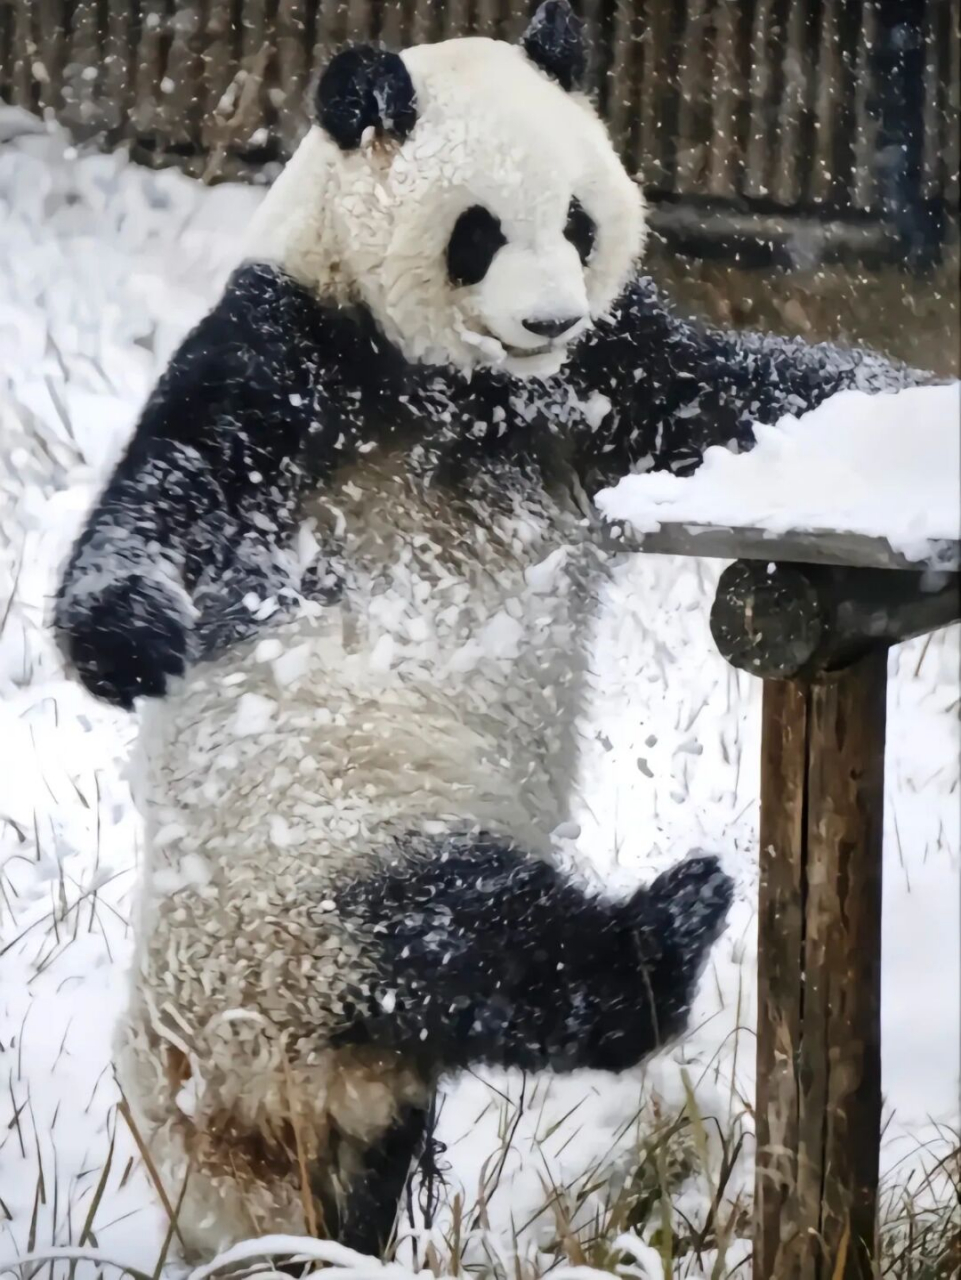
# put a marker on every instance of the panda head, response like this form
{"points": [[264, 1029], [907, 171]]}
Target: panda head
{"points": [[466, 193]]}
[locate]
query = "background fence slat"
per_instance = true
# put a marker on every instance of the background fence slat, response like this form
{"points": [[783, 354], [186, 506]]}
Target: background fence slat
{"points": [[952, 122], [823, 176], [24, 53], [759, 97], [292, 70], [52, 19], [786, 185], [149, 66], [863, 188], [690, 141], [726, 90]]}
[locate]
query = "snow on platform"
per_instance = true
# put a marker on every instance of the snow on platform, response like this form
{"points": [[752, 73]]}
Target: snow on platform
{"points": [[103, 266], [879, 466]]}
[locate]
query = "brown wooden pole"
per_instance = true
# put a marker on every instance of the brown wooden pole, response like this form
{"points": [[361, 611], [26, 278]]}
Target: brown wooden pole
{"points": [[819, 973], [780, 963]]}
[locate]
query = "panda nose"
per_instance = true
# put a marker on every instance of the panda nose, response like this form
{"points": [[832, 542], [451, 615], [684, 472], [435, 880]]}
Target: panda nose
{"points": [[550, 328]]}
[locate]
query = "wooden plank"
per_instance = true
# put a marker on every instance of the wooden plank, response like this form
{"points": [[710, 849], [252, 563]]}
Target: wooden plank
{"points": [[726, 92], [149, 65], [826, 104], [328, 32], [839, 1059], [786, 184], [423, 27], [815, 546], [592, 13], [622, 98], [952, 117], [292, 71], [784, 748], [52, 23], [455, 19], [489, 18], [83, 81], [24, 54], [690, 138], [933, 107], [220, 67], [119, 67], [760, 116], [656, 89], [396, 17], [357, 29], [6, 52], [179, 102], [864, 185]]}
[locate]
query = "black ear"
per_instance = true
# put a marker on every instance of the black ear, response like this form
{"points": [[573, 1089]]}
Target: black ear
{"points": [[554, 41], [363, 87]]}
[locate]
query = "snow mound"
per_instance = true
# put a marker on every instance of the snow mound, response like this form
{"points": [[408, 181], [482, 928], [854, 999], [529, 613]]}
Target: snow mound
{"points": [[885, 466]]}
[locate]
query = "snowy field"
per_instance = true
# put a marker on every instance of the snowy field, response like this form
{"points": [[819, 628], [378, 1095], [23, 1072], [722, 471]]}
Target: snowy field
{"points": [[103, 266]]}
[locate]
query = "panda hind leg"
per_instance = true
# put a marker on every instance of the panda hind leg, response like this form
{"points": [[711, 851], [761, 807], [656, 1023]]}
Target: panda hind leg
{"points": [[487, 955], [363, 1215]]}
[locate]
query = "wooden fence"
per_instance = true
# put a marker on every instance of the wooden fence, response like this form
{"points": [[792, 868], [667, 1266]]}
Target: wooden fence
{"points": [[826, 109]]}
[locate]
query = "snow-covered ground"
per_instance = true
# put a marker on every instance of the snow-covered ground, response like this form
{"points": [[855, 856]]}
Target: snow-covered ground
{"points": [[102, 268]]}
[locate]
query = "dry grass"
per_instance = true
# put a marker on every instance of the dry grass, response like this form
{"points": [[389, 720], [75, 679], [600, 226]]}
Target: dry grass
{"points": [[675, 1207]]}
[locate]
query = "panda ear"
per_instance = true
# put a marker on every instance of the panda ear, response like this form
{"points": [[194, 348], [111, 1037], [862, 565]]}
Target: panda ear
{"points": [[554, 41], [363, 88]]}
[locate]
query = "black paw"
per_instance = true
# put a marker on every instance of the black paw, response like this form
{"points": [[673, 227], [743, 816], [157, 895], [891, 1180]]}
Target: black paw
{"points": [[129, 643], [696, 895]]}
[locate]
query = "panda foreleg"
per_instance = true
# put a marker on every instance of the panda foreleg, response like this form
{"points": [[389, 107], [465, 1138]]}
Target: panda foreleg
{"points": [[483, 954]]}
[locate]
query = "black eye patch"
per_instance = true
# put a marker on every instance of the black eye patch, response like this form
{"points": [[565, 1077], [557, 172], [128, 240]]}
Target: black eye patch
{"points": [[580, 230], [476, 237]]}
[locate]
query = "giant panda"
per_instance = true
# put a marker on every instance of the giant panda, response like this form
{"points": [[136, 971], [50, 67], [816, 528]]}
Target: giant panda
{"points": [[348, 560]]}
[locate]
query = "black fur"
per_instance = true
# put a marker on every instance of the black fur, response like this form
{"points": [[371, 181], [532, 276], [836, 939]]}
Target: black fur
{"points": [[363, 88], [580, 230], [487, 955], [476, 237], [554, 41], [274, 390], [363, 1218]]}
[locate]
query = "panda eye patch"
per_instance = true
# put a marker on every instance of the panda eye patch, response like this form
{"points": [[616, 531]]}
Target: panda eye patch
{"points": [[476, 237], [580, 230]]}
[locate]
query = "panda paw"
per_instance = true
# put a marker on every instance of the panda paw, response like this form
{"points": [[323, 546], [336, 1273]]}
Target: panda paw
{"points": [[130, 642], [693, 898], [686, 910]]}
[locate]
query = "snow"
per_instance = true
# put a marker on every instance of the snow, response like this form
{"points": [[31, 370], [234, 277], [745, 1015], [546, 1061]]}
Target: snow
{"points": [[885, 466], [102, 268]]}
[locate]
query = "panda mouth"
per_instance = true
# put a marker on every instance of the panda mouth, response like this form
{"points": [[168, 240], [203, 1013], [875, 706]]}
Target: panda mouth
{"points": [[486, 339], [521, 353]]}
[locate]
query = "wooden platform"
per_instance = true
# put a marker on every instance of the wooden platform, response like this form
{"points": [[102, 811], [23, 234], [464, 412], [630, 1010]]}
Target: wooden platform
{"points": [[800, 546]]}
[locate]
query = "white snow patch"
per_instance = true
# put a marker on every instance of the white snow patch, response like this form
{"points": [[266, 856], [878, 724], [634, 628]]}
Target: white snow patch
{"points": [[885, 466]]}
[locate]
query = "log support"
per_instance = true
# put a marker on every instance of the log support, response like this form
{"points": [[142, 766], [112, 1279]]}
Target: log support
{"points": [[820, 637]]}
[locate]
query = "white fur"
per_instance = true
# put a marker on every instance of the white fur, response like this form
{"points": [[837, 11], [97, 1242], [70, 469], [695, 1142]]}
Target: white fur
{"points": [[491, 129]]}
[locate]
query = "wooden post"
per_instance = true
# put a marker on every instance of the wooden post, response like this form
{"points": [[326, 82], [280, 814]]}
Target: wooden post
{"points": [[819, 974], [819, 636]]}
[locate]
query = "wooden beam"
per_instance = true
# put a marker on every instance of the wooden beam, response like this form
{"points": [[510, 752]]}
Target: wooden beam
{"points": [[787, 620]]}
